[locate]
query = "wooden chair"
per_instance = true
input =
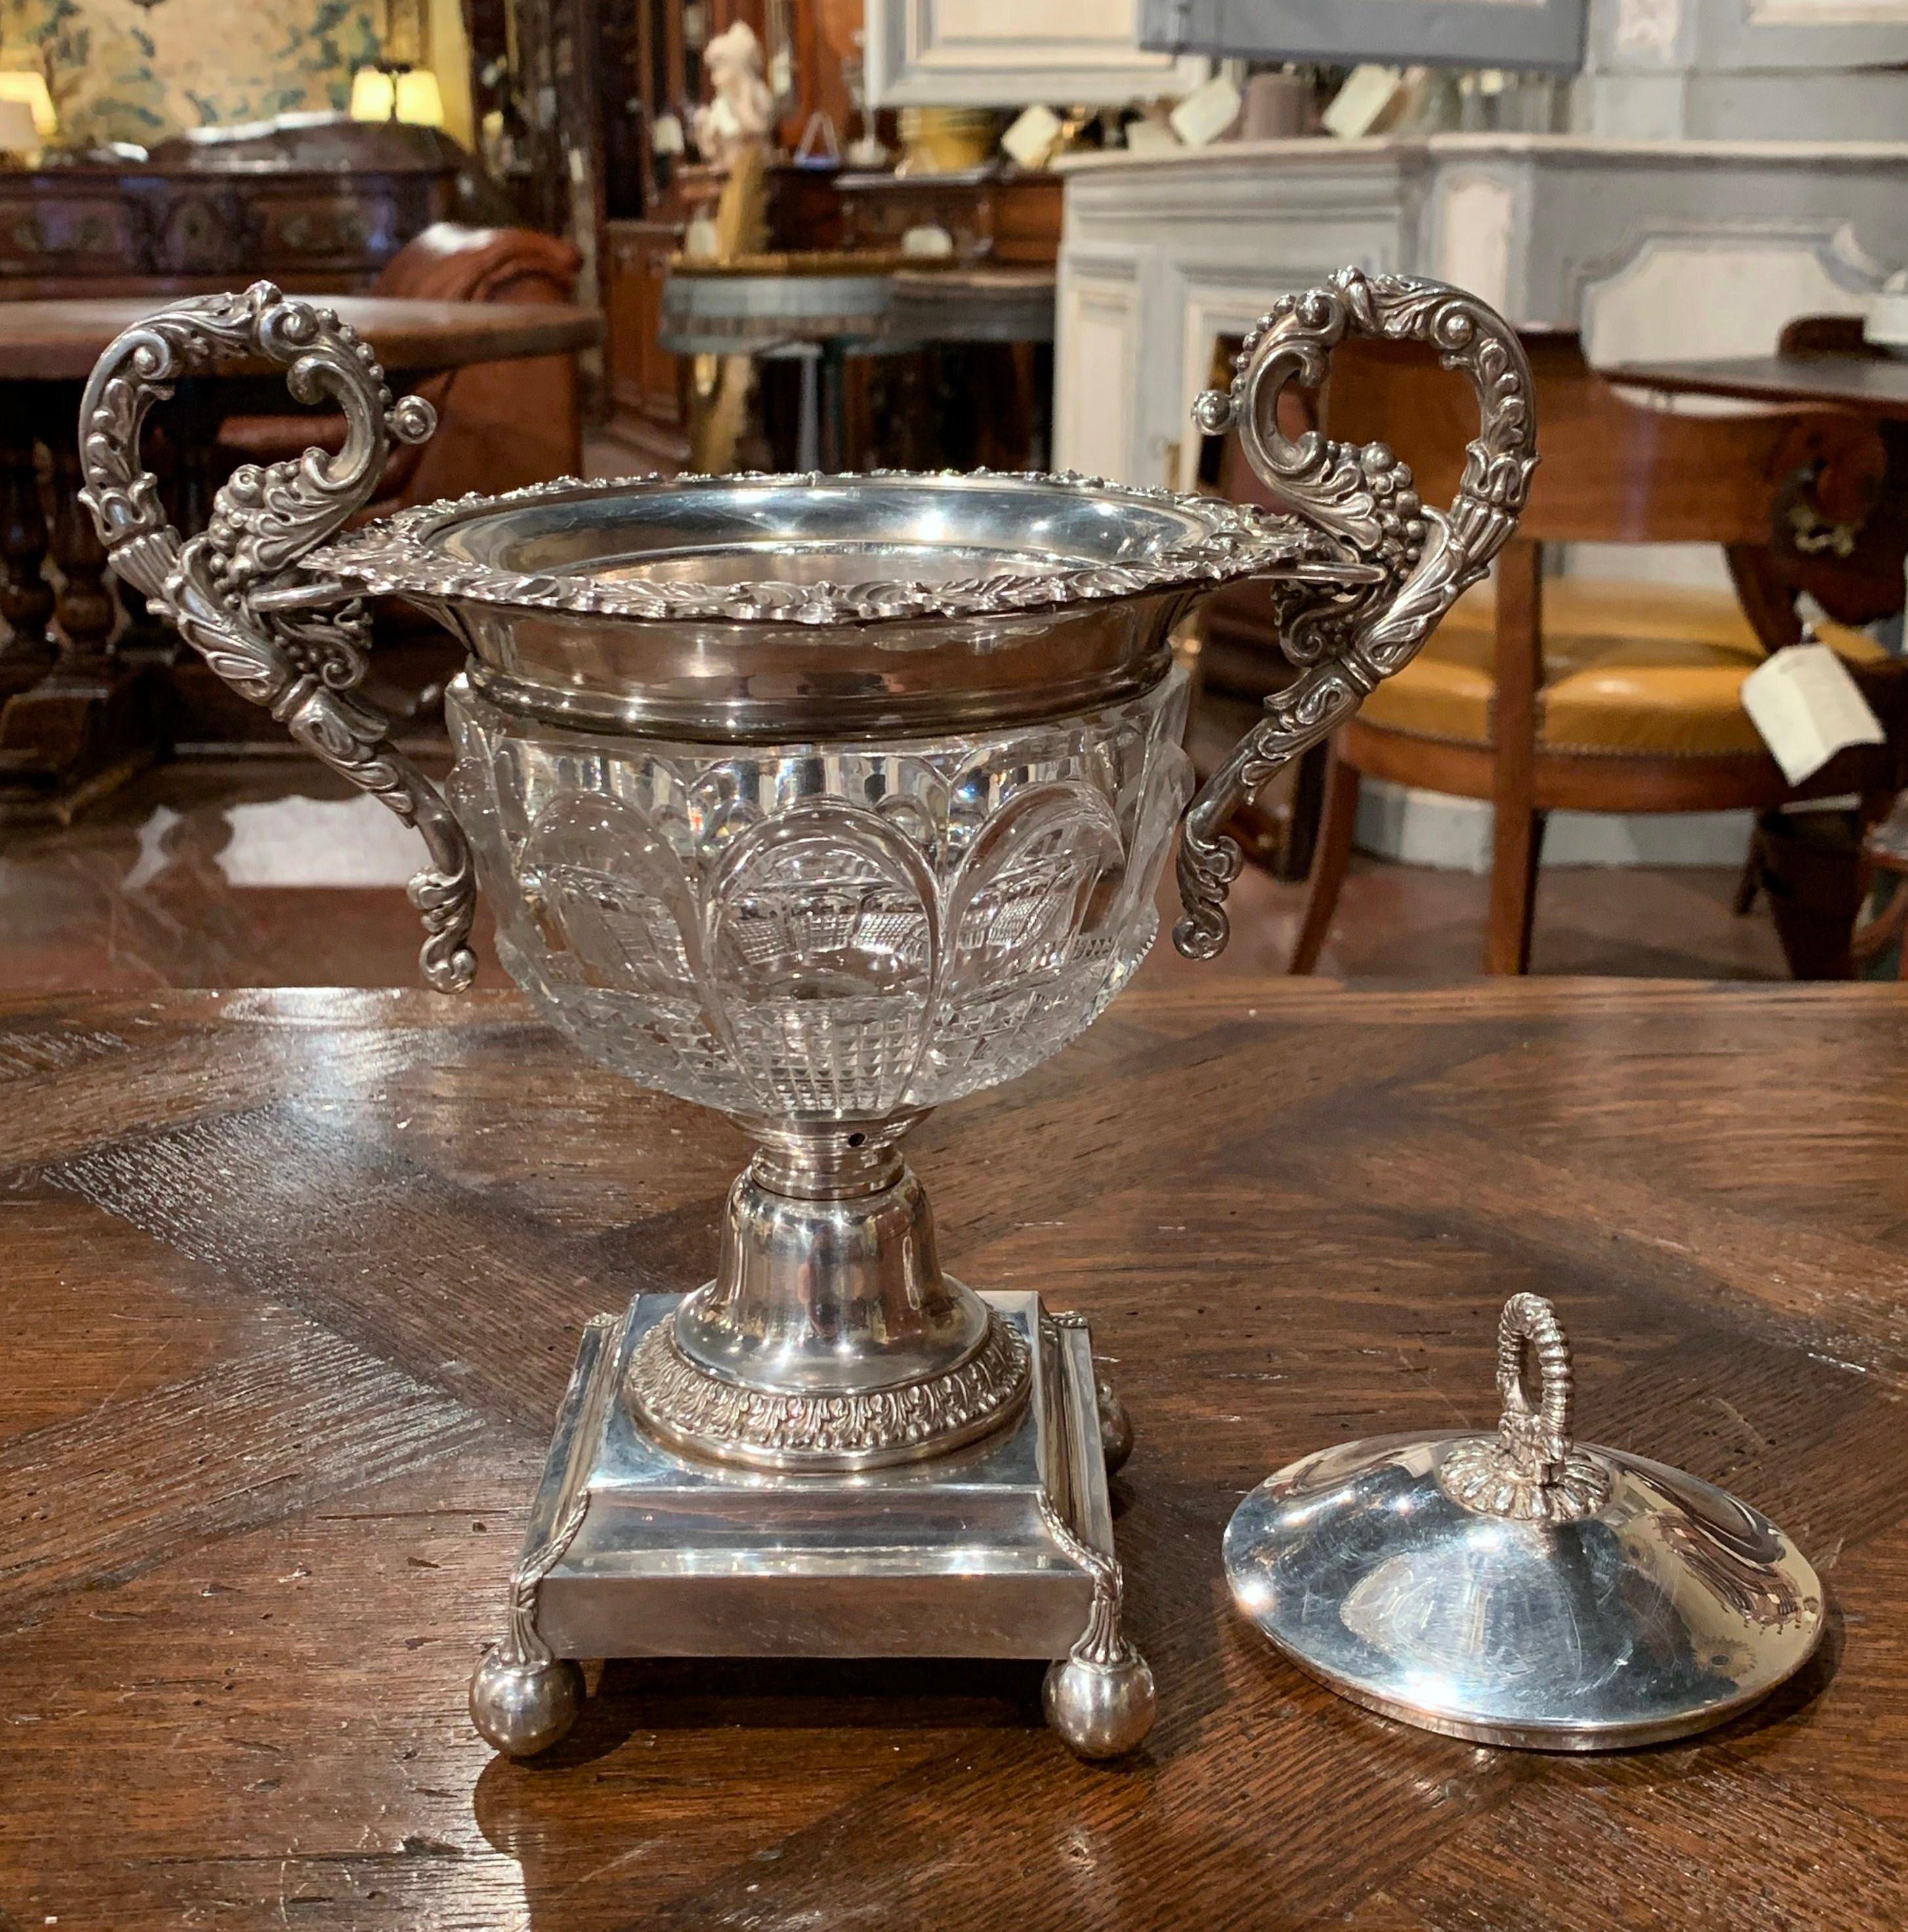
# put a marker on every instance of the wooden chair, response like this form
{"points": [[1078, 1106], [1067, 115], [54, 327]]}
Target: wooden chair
{"points": [[1577, 695]]}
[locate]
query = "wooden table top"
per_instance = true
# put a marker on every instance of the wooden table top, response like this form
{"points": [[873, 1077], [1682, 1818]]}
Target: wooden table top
{"points": [[292, 1282], [60, 341], [1825, 380]]}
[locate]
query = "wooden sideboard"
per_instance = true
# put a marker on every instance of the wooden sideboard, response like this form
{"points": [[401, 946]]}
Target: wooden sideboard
{"points": [[994, 213], [88, 230], [313, 202]]}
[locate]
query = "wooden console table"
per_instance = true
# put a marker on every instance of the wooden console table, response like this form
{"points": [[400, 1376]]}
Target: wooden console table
{"points": [[77, 709], [1844, 538], [292, 1282]]}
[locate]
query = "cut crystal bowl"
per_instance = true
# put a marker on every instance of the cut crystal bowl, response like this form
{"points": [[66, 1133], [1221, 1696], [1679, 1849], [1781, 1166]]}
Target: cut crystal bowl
{"points": [[824, 932]]}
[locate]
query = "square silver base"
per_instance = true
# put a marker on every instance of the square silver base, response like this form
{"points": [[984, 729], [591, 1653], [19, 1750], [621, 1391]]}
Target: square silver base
{"points": [[1001, 1550]]}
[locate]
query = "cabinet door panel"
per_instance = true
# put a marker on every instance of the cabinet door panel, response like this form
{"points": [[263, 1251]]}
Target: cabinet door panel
{"points": [[1006, 53], [645, 378]]}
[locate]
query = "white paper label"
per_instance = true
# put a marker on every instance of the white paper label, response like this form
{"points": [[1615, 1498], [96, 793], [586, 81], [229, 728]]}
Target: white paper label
{"points": [[1808, 708], [1031, 138], [1207, 112], [1356, 107], [1151, 137]]}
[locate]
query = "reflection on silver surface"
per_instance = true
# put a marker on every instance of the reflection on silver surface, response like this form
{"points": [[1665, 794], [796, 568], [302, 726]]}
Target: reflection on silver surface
{"points": [[1660, 1608], [760, 609]]}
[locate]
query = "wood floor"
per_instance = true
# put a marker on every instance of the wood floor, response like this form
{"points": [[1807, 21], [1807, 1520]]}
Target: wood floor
{"points": [[199, 875]]}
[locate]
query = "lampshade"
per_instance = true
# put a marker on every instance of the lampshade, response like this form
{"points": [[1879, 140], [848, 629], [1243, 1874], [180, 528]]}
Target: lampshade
{"points": [[420, 99], [374, 94], [18, 135], [30, 89]]}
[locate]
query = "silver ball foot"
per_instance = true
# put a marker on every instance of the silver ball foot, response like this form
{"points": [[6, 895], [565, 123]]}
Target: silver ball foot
{"points": [[1116, 1430], [522, 1708], [1100, 1710]]}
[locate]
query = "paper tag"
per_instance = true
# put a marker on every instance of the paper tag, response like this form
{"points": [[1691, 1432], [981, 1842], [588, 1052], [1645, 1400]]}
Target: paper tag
{"points": [[1808, 708], [1357, 107], [1031, 139], [1207, 112], [1151, 137]]}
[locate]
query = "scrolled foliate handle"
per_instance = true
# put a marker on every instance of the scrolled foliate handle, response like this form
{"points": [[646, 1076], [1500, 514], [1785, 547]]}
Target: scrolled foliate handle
{"points": [[239, 594], [1361, 494]]}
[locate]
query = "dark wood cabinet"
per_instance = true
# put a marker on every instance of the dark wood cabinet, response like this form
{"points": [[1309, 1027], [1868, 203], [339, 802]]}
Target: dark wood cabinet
{"points": [[648, 387], [647, 392], [994, 213], [83, 230]]}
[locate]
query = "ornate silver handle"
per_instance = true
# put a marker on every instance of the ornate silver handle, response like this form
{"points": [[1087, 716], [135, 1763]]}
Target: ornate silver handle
{"points": [[1530, 1471], [239, 594], [1361, 494]]}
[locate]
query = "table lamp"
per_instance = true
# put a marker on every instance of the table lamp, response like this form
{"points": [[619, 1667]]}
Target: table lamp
{"points": [[28, 90], [374, 94], [420, 101], [411, 95], [20, 139]]}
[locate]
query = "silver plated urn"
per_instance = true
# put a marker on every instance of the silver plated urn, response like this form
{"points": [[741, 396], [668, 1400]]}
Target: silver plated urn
{"points": [[822, 801]]}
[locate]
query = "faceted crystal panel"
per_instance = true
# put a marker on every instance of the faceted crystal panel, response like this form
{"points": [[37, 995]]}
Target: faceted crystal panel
{"points": [[823, 931]]}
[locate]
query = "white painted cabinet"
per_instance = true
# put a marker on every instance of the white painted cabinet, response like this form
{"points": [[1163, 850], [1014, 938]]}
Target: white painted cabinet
{"points": [[1008, 53]]}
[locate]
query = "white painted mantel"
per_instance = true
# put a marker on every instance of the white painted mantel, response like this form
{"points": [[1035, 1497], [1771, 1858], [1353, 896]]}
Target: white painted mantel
{"points": [[1653, 248]]}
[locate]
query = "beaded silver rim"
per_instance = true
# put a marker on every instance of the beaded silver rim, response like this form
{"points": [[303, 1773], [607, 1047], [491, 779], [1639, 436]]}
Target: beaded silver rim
{"points": [[402, 555]]}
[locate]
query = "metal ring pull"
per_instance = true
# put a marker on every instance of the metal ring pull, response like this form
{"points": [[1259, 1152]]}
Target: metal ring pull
{"points": [[1530, 1471], [1536, 1435]]}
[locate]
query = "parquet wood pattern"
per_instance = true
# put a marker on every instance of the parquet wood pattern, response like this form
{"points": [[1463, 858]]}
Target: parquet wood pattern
{"points": [[290, 1282]]}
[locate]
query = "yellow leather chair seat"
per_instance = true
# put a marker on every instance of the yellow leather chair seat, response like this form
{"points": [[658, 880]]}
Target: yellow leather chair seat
{"points": [[1650, 669]]}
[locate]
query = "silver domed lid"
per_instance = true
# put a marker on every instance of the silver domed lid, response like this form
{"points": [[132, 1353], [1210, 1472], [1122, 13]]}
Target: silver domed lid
{"points": [[1520, 1588]]}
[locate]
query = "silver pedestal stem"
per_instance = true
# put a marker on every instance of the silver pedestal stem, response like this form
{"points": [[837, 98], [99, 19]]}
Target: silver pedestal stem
{"points": [[830, 1338]]}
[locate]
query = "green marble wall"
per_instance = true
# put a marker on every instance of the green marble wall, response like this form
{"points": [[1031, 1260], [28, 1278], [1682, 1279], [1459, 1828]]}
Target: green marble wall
{"points": [[137, 70]]}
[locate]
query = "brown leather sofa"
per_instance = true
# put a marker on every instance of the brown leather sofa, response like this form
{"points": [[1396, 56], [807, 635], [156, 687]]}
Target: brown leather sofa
{"points": [[500, 425]]}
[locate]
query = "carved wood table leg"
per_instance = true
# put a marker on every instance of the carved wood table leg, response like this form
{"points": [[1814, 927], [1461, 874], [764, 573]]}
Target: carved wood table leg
{"points": [[1839, 531], [26, 598], [84, 610], [88, 722]]}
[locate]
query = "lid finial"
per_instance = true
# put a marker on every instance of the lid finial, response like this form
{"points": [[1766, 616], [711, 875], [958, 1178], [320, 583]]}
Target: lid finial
{"points": [[1529, 1471]]}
